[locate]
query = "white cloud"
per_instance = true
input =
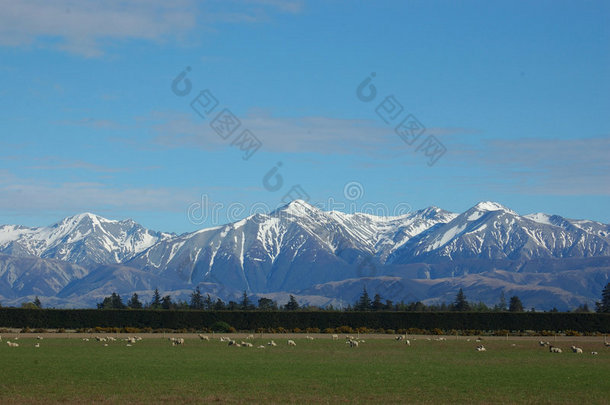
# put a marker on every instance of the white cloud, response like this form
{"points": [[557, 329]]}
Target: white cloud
{"points": [[84, 27], [541, 166], [25, 195]]}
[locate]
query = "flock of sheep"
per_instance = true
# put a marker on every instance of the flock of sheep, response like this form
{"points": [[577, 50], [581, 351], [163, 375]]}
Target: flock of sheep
{"points": [[350, 340], [577, 350]]}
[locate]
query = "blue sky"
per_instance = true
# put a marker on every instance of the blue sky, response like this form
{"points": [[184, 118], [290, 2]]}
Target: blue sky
{"points": [[515, 92]]}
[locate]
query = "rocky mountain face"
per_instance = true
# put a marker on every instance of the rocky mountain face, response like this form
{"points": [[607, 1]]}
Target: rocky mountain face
{"points": [[321, 257]]}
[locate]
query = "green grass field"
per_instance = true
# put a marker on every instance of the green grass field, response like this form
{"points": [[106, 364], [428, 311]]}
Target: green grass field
{"points": [[319, 371]]}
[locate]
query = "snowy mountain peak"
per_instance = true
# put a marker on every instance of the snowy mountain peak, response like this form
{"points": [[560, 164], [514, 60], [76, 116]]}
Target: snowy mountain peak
{"points": [[298, 208], [492, 206]]}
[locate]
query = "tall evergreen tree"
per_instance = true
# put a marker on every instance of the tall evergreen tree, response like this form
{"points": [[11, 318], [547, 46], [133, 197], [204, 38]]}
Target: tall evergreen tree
{"points": [[460, 303], [155, 303], [196, 299], [377, 305], [292, 304], [37, 302], [112, 302], [515, 304], [266, 304], [245, 303], [604, 304], [166, 302], [501, 306], [364, 303], [208, 304], [134, 302]]}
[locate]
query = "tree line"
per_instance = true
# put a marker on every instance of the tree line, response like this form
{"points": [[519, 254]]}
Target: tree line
{"points": [[197, 302], [377, 304]]}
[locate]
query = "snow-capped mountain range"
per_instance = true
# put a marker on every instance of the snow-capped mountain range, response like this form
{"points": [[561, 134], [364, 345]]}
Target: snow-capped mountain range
{"points": [[320, 256]]}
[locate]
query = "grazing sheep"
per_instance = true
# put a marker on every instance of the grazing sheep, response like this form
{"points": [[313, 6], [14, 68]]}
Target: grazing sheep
{"points": [[576, 349], [247, 344], [204, 337], [335, 337], [309, 337], [481, 348], [479, 340], [594, 353], [272, 343], [39, 337], [128, 345], [105, 344], [261, 347], [554, 349], [11, 344], [408, 342], [353, 343], [250, 337], [291, 343], [543, 344], [606, 344], [232, 343], [0, 338], [85, 340], [37, 345], [177, 341], [400, 338], [225, 339], [111, 339]]}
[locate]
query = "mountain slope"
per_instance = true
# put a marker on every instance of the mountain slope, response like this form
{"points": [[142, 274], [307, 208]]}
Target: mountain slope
{"points": [[491, 231], [85, 239]]}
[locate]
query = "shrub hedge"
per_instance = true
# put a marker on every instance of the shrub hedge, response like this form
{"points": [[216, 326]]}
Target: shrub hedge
{"points": [[304, 320]]}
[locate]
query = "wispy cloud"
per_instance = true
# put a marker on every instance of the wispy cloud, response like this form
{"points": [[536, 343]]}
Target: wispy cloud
{"points": [[22, 195], [92, 123], [322, 135], [83, 27], [543, 165]]}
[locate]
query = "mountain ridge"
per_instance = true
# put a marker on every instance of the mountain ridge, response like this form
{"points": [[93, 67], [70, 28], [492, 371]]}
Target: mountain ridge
{"points": [[298, 246]]}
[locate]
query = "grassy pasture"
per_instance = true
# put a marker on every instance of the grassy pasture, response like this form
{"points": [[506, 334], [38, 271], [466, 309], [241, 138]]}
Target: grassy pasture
{"points": [[320, 371]]}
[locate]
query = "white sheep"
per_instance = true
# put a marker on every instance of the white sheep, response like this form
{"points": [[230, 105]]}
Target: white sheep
{"points": [[594, 353], [353, 343], [335, 337], [177, 341], [11, 344], [554, 349], [37, 345], [481, 348], [250, 337], [204, 337], [309, 337], [272, 343], [408, 342], [577, 350], [400, 337], [261, 347], [247, 344], [85, 340], [291, 343], [39, 337]]}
